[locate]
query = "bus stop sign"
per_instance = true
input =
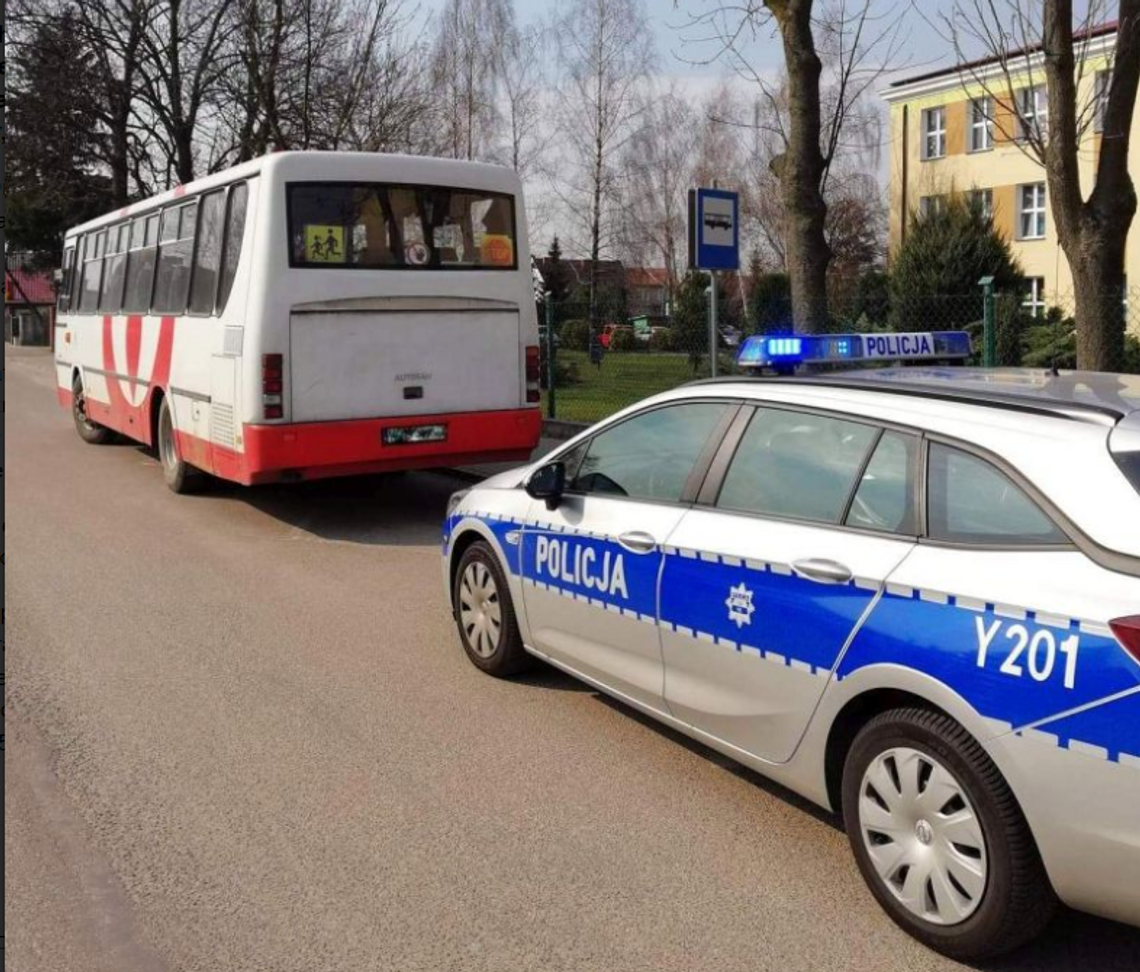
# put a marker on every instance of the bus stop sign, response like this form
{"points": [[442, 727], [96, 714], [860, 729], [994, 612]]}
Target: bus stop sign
{"points": [[714, 229]]}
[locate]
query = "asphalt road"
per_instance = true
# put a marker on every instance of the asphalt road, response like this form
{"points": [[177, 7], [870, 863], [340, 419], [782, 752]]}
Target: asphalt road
{"points": [[241, 736]]}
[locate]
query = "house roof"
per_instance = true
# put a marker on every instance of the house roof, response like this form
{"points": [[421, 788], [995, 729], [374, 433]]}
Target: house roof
{"points": [[1090, 33], [28, 286], [646, 277]]}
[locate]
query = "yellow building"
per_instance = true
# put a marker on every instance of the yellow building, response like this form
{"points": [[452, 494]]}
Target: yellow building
{"points": [[964, 130]]}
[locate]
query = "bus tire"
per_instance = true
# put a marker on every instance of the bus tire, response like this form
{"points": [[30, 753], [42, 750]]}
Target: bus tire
{"points": [[90, 432], [180, 476]]}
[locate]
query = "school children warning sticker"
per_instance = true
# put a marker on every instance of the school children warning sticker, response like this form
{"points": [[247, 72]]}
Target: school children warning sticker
{"points": [[324, 244]]}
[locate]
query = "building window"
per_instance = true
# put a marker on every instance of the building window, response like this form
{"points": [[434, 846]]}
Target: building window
{"points": [[983, 199], [1034, 302], [1100, 98], [981, 124], [1031, 211], [1033, 112], [934, 133], [931, 206]]}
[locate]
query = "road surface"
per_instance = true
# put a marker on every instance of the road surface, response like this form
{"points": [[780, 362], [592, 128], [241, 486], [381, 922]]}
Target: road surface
{"points": [[242, 737]]}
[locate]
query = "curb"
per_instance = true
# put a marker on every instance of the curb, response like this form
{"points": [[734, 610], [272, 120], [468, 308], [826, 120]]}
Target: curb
{"points": [[562, 430]]}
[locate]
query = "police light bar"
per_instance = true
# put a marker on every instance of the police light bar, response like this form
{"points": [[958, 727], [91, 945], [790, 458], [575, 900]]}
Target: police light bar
{"points": [[786, 351]]}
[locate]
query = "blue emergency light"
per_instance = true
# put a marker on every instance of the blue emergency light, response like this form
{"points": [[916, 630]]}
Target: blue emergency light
{"points": [[782, 352]]}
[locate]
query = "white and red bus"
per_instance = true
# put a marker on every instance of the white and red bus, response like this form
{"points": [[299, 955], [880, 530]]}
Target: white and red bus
{"points": [[304, 315]]}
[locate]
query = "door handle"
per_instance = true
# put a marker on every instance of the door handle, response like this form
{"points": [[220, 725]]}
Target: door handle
{"points": [[822, 571], [638, 542]]}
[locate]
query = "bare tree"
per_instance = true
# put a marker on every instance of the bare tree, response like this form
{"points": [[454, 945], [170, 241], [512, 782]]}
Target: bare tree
{"points": [[323, 74], [1023, 40], [834, 52], [183, 63], [112, 30], [522, 76], [657, 167], [604, 47], [854, 224], [466, 58]]}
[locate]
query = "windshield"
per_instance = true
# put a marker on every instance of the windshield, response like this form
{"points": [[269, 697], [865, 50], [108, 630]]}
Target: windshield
{"points": [[376, 226]]}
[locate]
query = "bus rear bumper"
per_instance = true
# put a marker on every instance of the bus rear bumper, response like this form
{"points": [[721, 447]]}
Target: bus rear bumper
{"points": [[318, 450]]}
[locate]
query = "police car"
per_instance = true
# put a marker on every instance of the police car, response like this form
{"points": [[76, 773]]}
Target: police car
{"points": [[912, 597]]}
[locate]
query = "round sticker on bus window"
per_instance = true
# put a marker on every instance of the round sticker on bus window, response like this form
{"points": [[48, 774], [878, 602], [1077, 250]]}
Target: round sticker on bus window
{"points": [[417, 254], [498, 250]]}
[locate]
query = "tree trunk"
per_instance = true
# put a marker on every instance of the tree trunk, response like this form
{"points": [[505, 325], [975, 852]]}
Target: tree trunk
{"points": [[595, 246], [119, 161], [1092, 233], [1098, 291], [801, 168]]}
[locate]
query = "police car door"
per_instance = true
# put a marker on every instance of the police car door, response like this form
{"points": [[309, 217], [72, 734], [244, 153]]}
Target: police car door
{"points": [[591, 566], [802, 519]]}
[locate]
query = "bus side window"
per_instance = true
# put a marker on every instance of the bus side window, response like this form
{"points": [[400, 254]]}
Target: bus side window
{"points": [[207, 253], [115, 269], [65, 283], [175, 253], [92, 272], [140, 266], [231, 248]]}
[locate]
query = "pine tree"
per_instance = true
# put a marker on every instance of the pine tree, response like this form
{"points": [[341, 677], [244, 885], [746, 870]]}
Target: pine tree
{"points": [[51, 179], [556, 276], [935, 274]]}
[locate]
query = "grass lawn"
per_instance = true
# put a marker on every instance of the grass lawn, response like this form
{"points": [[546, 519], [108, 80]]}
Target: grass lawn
{"points": [[623, 378]]}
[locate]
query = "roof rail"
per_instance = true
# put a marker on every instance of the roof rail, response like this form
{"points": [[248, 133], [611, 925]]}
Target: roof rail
{"points": [[1037, 404]]}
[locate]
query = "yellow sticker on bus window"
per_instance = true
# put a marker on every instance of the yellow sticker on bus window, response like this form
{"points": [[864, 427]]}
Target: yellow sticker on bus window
{"points": [[324, 244], [497, 250]]}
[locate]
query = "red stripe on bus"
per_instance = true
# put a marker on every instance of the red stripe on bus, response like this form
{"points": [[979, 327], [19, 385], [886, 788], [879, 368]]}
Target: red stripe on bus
{"points": [[119, 413]]}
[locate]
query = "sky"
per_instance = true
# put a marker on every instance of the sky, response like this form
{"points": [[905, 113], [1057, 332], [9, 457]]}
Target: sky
{"points": [[922, 47]]}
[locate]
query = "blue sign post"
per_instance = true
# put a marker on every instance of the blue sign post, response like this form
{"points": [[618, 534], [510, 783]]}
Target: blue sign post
{"points": [[714, 244], [714, 229]]}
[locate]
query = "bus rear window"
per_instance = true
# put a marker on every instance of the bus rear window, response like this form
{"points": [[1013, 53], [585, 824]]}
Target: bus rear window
{"points": [[385, 227]]}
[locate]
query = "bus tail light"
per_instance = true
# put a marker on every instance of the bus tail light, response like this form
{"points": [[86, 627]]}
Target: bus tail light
{"points": [[273, 386], [1127, 631], [533, 373]]}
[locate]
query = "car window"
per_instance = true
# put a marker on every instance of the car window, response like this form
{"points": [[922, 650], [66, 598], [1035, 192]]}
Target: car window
{"points": [[972, 501], [885, 497], [1129, 463], [571, 459], [649, 456], [796, 464]]}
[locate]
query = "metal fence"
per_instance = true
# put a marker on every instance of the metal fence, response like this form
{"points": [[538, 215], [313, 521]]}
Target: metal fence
{"points": [[596, 364]]}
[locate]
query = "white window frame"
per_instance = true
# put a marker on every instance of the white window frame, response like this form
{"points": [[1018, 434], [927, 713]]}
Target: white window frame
{"points": [[1033, 111], [981, 124], [1102, 84], [1034, 301], [1032, 211], [987, 197], [930, 205], [934, 133]]}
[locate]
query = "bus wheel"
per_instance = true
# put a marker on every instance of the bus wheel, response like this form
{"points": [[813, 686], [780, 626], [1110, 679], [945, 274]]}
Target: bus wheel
{"points": [[90, 432], [180, 476]]}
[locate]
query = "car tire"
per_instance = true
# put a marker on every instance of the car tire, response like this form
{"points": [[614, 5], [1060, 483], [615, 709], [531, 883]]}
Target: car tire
{"points": [[180, 476], [485, 614], [90, 432], [944, 848]]}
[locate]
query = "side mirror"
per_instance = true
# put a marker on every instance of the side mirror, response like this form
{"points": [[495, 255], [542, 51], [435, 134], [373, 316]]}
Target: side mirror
{"points": [[548, 483]]}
